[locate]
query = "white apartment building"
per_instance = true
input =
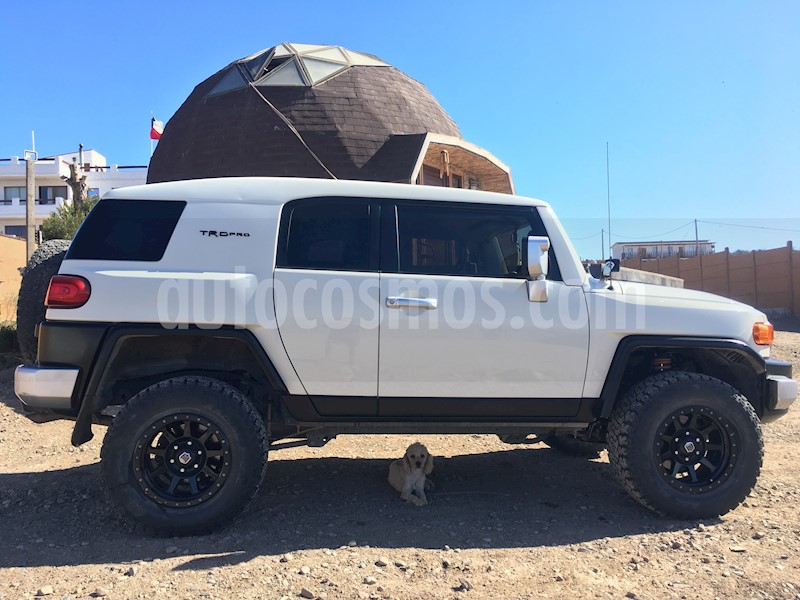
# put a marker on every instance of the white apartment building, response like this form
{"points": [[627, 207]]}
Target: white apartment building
{"points": [[51, 190], [681, 248]]}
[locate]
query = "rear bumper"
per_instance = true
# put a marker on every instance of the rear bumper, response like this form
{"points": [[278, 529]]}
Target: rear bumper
{"points": [[45, 388]]}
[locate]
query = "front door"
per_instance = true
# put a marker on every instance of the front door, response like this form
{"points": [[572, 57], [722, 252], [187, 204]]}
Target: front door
{"points": [[459, 337]]}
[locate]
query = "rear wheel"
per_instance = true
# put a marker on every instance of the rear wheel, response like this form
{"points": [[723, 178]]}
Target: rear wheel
{"points": [[686, 445], [185, 455]]}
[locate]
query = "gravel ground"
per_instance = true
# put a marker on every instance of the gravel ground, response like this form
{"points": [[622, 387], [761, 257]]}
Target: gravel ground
{"points": [[503, 522]]}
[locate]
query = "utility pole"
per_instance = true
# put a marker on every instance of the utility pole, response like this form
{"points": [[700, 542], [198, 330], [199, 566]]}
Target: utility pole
{"points": [[699, 257], [30, 202]]}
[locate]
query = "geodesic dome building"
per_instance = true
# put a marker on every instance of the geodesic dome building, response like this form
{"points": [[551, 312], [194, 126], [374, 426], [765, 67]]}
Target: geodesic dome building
{"points": [[305, 110]]}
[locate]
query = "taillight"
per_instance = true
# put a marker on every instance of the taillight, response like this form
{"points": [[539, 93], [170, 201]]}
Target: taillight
{"points": [[67, 291], [763, 334]]}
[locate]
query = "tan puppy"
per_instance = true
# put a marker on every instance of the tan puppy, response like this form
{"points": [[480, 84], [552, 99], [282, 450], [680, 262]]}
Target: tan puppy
{"points": [[407, 475]]}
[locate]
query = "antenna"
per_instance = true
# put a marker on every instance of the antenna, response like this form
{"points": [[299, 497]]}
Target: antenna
{"points": [[608, 196]]}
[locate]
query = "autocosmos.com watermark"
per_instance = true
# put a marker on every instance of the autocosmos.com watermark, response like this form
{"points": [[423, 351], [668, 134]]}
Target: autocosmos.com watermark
{"points": [[394, 302]]}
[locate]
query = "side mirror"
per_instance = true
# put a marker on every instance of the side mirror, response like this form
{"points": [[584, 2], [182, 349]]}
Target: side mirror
{"points": [[534, 256]]}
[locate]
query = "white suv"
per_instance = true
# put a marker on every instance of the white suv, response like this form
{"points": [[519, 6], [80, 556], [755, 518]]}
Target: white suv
{"points": [[204, 320]]}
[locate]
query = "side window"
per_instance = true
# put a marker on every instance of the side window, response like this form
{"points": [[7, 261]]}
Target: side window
{"points": [[331, 235], [459, 240], [135, 230]]}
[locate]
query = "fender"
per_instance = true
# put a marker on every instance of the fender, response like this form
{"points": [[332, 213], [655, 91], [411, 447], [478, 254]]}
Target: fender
{"points": [[631, 344], [116, 336]]}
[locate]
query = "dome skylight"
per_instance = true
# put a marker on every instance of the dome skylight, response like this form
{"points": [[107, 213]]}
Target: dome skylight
{"points": [[292, 65]]}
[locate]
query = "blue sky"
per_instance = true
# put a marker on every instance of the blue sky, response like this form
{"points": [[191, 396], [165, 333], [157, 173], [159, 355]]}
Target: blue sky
{"points": [[698, 101]]}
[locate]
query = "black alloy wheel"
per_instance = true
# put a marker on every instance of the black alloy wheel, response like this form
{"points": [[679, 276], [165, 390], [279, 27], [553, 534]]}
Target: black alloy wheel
{"points": [[182, 461], [696, 449]]}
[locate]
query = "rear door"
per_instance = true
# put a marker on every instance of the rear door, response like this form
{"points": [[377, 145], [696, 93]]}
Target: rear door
{"points": [[326, 301]]}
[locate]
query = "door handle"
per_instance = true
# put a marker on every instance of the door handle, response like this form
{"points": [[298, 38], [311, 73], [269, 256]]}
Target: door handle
{"points": [[402, 302]]}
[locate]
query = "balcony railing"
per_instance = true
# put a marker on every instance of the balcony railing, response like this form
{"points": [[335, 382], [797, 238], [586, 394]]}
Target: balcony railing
{"points": [[23, 202]]}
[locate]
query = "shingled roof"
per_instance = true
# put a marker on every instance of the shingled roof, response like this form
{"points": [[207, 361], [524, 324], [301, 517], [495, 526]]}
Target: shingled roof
{"points": [[301, 110]]}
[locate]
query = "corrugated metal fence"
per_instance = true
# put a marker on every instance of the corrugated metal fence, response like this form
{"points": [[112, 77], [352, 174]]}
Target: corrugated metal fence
{"points": [[762, 278]]}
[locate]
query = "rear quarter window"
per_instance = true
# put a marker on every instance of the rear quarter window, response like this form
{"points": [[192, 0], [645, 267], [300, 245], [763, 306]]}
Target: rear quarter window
{"points": [[135, 230]]}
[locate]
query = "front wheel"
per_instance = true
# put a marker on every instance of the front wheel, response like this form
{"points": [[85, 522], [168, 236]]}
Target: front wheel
{"points": [[686, 445], [185, 455]]}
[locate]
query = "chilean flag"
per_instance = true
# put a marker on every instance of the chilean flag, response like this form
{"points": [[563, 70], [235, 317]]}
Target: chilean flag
{"points": [[156, 129]]}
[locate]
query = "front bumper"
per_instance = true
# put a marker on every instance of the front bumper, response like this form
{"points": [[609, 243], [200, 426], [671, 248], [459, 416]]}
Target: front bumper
{"points": [[45, 388], [781, 388]]}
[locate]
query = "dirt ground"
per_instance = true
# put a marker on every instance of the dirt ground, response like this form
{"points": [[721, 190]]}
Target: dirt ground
{"points": [[503, 522]]}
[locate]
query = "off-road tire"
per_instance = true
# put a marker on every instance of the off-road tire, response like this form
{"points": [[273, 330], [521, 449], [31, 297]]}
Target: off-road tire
{"points": [[235, 424], [663, 409], [44, 263]]}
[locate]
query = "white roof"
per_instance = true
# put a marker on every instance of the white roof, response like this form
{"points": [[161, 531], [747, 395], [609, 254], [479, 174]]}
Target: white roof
{"points": [[279, 190]]}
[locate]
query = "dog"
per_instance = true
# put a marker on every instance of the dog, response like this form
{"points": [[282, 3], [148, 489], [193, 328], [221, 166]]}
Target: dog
{"points": [[408, 474]]}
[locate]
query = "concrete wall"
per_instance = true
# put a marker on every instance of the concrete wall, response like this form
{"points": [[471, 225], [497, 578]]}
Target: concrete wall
{"points": [[12, 257]]}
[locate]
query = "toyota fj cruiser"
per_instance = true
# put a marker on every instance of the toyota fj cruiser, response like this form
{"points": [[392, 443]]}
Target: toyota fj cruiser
{"points": [[205, 320]]}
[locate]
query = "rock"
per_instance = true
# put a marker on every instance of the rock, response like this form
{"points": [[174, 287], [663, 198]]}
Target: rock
{"points": [[676, 545], [352, 543], [559, 578], [446, 564], [382, 561], [632, 595], [45, 590], [306, 593], [370, 580], [738, 549], [464, 584], [400, 564], [131, 572], [758, 535], [100, 592], [304, 570], [287, 557]]}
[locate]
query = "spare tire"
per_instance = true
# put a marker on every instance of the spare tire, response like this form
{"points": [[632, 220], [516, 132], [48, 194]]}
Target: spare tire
{"points": [[44, 263]]}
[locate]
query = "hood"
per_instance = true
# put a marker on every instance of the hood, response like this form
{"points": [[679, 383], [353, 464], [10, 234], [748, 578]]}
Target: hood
{"points": [[631, 308], [662, 292]]}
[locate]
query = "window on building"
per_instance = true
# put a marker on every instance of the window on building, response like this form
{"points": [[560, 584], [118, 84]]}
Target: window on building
{"points": [[49, 193], [431, 176], [12, 192], [16, 230], [457, 181]]}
